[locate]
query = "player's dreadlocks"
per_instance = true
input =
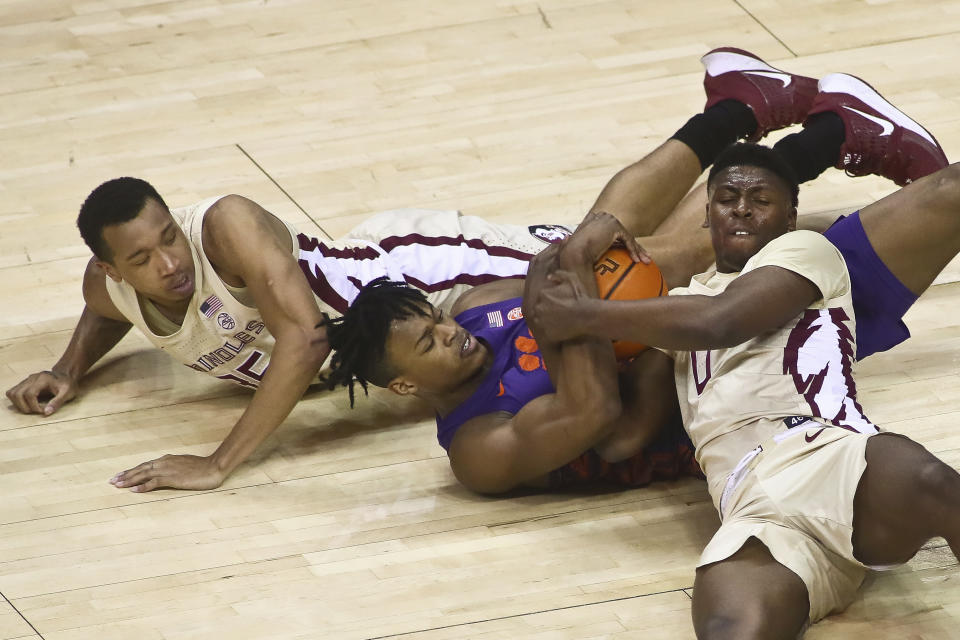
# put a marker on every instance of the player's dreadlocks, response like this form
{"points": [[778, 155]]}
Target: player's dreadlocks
{"points": [[359, 338]]}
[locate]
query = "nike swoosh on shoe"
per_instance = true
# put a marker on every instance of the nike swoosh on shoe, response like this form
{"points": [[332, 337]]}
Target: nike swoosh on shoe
{"points": [[886, 124], [785, 78]]}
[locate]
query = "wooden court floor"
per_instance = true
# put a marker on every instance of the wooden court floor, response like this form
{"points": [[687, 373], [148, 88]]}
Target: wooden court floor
{"points": [[348, 524]]}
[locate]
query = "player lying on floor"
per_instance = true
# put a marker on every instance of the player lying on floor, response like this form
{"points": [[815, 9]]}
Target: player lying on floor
{"points": [[809, 491], [542, 426]]}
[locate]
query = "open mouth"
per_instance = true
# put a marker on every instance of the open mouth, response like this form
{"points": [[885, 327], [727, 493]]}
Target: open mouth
{"points": [[468, 346]]}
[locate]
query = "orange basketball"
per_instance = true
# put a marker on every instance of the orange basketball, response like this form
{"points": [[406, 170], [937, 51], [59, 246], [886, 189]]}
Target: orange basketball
{"points": [[620, 278]]}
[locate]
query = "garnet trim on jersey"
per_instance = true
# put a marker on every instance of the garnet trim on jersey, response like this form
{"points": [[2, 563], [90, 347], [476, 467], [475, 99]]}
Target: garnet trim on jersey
{"points": [[819, 358], [353, 267], [392, 242]]}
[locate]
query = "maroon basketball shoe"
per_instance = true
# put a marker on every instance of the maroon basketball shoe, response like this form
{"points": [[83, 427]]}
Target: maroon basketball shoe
{"points": [[880, 139], [778, 99]]}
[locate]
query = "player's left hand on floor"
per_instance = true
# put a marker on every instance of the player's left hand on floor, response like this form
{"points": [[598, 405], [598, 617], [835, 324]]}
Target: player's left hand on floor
{"points": [[171, 471]]}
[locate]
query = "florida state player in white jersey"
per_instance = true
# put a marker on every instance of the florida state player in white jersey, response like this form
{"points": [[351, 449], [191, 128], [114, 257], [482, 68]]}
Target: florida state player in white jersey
{"points": [[810, 493]]}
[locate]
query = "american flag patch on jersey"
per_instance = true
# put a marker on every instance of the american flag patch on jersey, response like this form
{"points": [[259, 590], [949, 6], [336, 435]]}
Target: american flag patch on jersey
{"points": [[495, 318], [210, 306]]}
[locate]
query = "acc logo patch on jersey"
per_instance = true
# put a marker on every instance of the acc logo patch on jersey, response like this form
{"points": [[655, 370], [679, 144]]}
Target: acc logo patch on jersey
{"points": [[549, 233], [515, 314], [226, 321]]}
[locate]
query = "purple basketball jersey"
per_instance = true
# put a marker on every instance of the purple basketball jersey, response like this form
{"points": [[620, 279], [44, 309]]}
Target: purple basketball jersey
{"points": [[517, 375]]}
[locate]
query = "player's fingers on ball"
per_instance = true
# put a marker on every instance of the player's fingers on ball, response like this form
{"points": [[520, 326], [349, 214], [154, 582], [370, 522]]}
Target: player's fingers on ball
{"points": [[638, 253]]}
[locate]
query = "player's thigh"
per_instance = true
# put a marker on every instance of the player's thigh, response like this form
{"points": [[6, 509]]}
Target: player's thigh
{"points": [[749, 595], [915, 231], [905, 497]]}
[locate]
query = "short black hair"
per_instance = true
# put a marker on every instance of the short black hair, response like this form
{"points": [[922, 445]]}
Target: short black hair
{"points": [[359, 338], [749, 154], [113, 202]]}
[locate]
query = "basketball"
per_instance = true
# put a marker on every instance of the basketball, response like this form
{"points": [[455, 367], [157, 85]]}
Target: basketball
{"points": [[620, 278]]}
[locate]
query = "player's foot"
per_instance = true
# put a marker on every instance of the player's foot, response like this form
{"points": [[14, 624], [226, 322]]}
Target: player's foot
{"points": [[880, 139], [777, 98]]}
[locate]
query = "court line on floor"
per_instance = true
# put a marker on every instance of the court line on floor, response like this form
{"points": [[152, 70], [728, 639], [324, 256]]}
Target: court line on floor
{"points": [[19, 613], [530, 613]]}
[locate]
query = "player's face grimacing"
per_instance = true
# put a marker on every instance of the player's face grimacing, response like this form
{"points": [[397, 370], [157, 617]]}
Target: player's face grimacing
{"points": [[433, 355], [151, 253], [747, 207]]}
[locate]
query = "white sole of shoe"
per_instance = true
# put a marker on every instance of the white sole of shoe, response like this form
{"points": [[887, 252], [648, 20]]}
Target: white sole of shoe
{"points": [[726, 61]]}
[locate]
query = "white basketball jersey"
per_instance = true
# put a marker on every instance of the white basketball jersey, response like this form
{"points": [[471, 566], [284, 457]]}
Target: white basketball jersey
{"points": [[733, 399], [441, 252], [220, 335]]}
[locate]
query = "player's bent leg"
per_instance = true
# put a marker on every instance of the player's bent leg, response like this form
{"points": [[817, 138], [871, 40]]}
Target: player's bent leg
{"points": [[680, 256], [916, 231], [746, 97], [645, 193], [905, 497], [749, 595]]}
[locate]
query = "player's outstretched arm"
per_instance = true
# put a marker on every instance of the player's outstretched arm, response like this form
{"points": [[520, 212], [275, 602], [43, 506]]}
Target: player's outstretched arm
{"points": [[248, 245], [100, 328], [756, 302]]}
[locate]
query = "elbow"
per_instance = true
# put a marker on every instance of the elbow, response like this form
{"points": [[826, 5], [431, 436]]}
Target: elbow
{"points": [[316, 352], [311, 347], [615, 451], [489, 481]]}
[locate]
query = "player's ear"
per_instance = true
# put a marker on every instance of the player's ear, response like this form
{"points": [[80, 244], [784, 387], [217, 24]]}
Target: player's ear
{"points": [[109, 269], [792, 220], [706, 217], [401, 386]]}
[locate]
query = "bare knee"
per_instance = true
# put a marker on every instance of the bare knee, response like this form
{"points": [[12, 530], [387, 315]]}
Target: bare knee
{"points": [[940, 484], [743, 625], [745, 600], [944, 185], [906, 496]]}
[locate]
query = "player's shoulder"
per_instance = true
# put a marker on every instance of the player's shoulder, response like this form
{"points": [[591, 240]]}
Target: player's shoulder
{"points": [[227, 212], [488, 293], [797, 246], [801, 239], [234, 222]]}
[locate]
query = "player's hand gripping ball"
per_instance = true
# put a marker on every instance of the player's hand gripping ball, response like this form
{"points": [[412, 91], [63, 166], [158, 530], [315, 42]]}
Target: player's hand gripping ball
{"points": [[620, 278]]}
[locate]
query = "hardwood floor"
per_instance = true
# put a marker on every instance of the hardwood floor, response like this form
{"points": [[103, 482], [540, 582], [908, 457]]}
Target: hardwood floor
{"points": [[349, 524]]}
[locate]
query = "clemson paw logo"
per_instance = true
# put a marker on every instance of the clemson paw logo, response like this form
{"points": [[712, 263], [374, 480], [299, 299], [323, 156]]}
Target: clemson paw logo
{"points": [[528, 360]]}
